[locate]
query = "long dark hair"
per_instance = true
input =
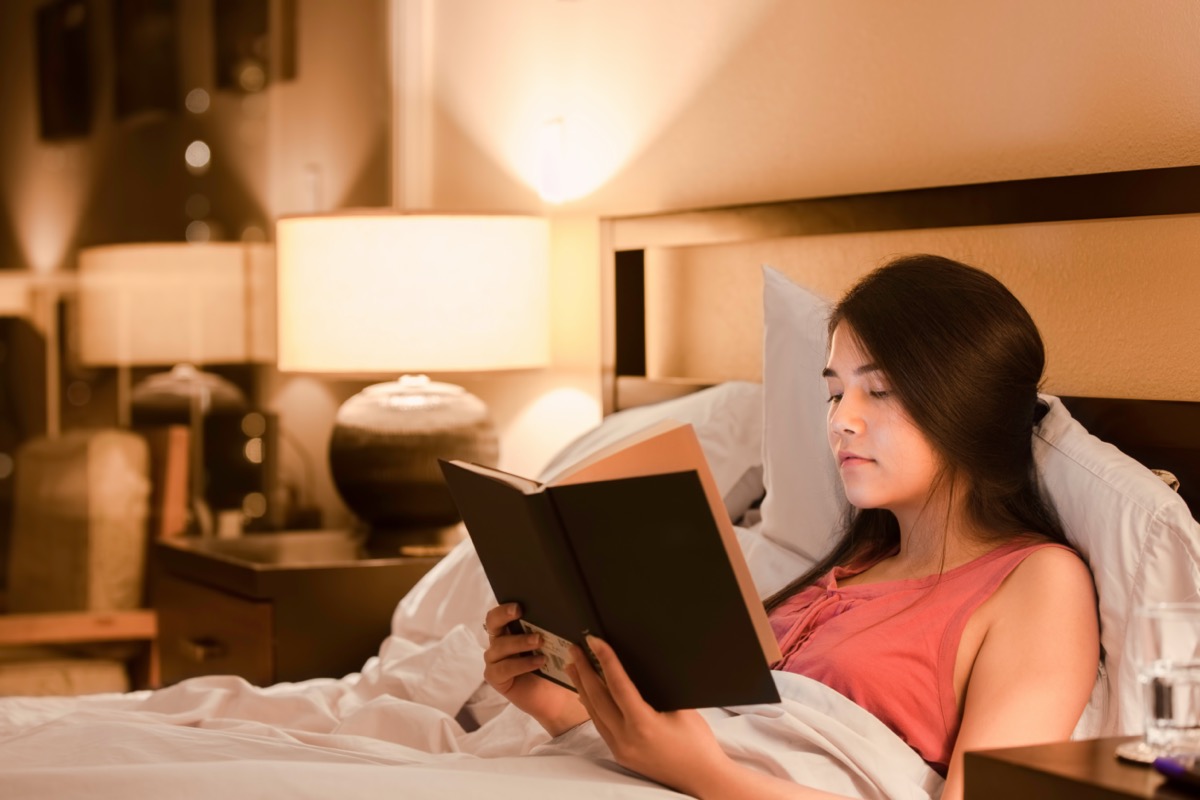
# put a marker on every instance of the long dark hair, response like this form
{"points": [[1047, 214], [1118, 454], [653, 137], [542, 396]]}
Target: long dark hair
{"points": [[964, 359]]}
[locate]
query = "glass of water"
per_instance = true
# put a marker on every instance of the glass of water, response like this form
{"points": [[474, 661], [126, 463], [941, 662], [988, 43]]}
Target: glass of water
{"points": [[1166, 652]]}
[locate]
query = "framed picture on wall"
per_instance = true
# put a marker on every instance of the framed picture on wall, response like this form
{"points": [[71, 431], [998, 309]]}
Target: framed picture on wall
{"points": [[146, 49], [64, 87], [254, 43]]}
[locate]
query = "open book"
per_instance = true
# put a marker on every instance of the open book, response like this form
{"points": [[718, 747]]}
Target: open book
{"points": [[632, 544]]}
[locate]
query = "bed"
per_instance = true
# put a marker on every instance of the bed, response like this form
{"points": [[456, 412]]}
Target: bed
{"points": [[416, 721]]}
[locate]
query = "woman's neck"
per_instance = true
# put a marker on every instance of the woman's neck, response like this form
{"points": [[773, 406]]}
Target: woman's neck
{"points": [[936, 537]]}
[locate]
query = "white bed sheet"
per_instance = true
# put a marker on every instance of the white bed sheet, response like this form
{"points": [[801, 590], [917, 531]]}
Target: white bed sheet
{"points": [[391, 731]]}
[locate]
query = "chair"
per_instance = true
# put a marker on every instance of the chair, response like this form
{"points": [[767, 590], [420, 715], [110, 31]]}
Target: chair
{"points": [[77, 568], [37, 657]]}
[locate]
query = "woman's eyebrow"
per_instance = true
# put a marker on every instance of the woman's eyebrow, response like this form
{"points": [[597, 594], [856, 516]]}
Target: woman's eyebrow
{"points": [[865, 368]]}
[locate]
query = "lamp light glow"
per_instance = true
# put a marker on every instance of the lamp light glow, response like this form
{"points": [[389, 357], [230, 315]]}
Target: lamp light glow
{"points": [[383, 293], [162, 303]]}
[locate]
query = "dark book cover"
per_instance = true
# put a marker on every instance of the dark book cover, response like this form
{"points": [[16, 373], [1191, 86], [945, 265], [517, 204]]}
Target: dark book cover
{"points": [[525, 558], [639, 561], [664, 590]]}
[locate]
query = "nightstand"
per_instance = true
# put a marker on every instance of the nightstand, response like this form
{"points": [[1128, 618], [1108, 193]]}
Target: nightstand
{"points": [[1082, 770], [273, 607]]}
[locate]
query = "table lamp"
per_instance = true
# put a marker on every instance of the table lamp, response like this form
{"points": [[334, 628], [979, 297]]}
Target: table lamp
{"points": [[366, 292], [183, 305]]}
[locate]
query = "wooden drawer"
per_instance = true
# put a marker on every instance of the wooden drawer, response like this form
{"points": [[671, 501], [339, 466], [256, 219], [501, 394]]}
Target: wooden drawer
{"points": [[204, 631]]}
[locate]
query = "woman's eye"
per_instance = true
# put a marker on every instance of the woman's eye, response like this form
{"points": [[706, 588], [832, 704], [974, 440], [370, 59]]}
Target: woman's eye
{"points": [[834, 398], [881, 394]]}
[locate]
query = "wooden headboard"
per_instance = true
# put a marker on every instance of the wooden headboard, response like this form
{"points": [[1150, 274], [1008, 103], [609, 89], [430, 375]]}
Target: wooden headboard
{"points": [[1163, 434]]}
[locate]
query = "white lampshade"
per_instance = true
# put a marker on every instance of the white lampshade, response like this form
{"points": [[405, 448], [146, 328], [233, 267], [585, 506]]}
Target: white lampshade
{"points": [[365, 292], [169, 302]]}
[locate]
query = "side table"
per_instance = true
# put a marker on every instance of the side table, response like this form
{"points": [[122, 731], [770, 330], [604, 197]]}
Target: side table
{"points": [[1079, 770], [273, 607]]}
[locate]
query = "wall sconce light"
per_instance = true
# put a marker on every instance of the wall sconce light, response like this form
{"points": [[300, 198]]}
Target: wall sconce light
{"points": [[551, 147]]}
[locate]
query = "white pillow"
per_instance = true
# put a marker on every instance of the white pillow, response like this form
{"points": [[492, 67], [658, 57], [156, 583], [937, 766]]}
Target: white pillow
{"points": [[728, 422], [728, 419], [1138, 537], [772, 566], [803, 508]]}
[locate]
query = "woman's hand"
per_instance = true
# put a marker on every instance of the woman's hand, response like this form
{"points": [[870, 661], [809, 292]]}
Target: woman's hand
{"points": [[676, 748], [508, 667]]}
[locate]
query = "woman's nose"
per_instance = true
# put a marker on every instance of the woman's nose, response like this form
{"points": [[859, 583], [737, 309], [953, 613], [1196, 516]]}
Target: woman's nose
{"points": [[845, 416]]}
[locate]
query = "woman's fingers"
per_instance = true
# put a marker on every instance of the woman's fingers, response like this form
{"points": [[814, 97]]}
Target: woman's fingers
{"points": [[508, 655], [505, 671], [626, 696], [508, 645], [497, 619], [598, 697], [603, 725]]}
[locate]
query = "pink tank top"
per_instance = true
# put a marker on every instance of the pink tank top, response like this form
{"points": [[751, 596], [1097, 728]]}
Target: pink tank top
{"points": [[890, 647]]}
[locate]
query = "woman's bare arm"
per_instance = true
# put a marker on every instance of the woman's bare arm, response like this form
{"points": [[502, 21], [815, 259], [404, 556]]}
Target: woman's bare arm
{"points": [[1037, 663]]}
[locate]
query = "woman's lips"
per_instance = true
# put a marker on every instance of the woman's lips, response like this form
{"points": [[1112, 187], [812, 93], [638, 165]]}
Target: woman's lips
{"points": [[852, 460]]}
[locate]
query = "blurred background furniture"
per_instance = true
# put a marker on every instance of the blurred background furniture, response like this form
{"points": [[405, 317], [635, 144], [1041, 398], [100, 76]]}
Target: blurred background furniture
{"points": [[189, 306], [273, 607], [40, 654], [76, 567]]}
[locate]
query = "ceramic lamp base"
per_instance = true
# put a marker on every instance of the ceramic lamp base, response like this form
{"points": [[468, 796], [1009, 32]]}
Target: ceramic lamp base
{"points": [[385, 447]]}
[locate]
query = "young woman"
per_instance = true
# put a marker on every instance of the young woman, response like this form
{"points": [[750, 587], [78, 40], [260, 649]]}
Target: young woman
{"points": [[951, 608]]}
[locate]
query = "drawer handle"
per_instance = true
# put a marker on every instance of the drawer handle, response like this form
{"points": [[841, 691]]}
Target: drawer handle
{"points": [[201, 650]]}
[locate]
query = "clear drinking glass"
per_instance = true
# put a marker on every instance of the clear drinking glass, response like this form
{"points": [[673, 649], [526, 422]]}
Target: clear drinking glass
{"points": [[1166, 653]]}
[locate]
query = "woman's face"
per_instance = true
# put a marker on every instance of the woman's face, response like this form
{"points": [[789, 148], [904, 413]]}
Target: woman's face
{"points": [[884, 460]]}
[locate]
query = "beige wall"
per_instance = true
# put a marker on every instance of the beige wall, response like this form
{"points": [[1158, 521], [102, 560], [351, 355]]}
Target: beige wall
{"points": [[676, 104], [691, 104]]}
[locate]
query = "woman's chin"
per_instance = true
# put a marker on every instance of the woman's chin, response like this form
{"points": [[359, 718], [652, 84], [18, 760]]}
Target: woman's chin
{"points": [[862, 499]]}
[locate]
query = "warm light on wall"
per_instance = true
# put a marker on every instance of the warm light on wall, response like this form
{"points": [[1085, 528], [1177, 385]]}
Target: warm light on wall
{"points": [[550, 154], [46, 203], [616, 74], [572, 155]]}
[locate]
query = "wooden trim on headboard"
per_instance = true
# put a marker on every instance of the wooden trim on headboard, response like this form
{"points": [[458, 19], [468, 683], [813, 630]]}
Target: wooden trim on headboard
{"points": [[1137, 193]]}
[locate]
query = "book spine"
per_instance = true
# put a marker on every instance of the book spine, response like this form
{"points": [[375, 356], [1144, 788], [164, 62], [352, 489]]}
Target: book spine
{"points": [[543, 506]]}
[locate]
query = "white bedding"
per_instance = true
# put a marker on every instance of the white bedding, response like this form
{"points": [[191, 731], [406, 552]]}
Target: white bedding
{"points": [[391, 731]]}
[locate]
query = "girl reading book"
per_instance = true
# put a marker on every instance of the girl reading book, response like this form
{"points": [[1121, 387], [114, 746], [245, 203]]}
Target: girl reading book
{"points": [[952, 607]]}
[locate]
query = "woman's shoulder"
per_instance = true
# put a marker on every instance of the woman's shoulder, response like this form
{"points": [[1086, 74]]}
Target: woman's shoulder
{"points": [[1034, 576], [1047, 573], [1046, 603]]}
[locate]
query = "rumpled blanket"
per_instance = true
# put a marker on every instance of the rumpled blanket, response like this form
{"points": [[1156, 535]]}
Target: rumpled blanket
{"points": [[415, 722]]}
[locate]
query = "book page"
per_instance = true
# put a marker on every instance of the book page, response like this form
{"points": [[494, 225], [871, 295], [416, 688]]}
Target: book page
{"points": [[672, 446], [622, 458]]}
